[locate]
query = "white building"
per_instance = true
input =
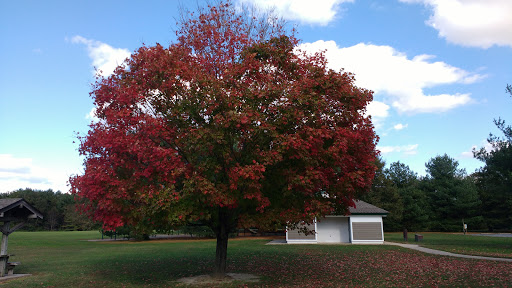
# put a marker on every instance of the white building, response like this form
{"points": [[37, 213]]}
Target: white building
{"points": [[363, 225]]}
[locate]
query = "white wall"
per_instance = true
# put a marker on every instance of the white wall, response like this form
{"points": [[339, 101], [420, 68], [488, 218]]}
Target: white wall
{"points": [[333, 229]]}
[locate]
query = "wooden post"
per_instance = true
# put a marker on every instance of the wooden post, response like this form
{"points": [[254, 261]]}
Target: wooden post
{"points": [[3, 249]]}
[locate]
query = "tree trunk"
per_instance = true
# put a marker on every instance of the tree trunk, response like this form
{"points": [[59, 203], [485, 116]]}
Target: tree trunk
{"points": [[222, 233], [221, 254]]}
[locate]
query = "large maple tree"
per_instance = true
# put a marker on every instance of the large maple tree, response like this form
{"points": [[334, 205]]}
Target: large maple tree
{"points": [[231, 126]]}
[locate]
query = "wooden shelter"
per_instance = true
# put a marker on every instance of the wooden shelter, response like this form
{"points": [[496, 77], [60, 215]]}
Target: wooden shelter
{"points": [[16, 211]]}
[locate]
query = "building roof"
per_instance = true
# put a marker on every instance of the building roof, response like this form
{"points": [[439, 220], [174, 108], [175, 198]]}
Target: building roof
{"points": [[366, 208], [7, 202], [17, 208]]}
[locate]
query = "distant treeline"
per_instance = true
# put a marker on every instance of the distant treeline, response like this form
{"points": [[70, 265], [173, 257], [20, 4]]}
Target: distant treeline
{"points": [[444, 199], [58, 210]]}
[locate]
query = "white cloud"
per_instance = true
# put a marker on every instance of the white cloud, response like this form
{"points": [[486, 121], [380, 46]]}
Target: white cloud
{"points": [[105, 58], [10, 165], [469, 154], [400, 126], [478, 23], [16, 173], [312, 12], [386, 70], [92, 115], [379, 111], [407, 149]]}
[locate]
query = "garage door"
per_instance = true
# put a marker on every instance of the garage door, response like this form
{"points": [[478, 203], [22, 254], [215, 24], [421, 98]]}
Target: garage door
{"points": [[367, 230]]}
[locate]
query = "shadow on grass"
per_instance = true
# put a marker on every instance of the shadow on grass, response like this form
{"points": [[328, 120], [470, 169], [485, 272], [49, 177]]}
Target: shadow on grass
{"points": [[157, 263]]}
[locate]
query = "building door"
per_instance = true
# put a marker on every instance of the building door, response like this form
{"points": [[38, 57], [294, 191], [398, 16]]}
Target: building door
{"points": [[330, 230]]}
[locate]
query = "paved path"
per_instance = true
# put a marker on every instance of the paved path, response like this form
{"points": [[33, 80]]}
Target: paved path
{"points": [[493, 234], [444, 253], [9, 277]]}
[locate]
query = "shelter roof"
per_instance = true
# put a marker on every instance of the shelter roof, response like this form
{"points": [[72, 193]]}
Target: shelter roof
{"points": [[17, 208], [366, 208]]}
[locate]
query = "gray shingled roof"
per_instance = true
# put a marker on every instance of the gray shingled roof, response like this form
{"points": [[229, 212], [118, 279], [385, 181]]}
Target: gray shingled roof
{"points": [[17, 206], [8, 201], [366, 208]]}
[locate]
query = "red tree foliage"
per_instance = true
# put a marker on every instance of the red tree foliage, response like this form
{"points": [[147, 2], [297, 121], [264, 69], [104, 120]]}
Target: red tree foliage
{"points": [[231, 126]]}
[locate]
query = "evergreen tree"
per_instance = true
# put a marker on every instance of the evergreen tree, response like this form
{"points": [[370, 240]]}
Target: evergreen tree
{"points": [[451, 196], [384, 194], [494, 180], [414, 201]]}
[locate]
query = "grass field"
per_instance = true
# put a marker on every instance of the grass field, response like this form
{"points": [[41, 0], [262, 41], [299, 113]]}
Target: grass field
{"points": [[63, 259], [460, 243]]}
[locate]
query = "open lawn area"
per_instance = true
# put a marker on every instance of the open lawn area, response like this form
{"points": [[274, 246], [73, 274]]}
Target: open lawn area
{"points": [[460, 243], [64, 259]]}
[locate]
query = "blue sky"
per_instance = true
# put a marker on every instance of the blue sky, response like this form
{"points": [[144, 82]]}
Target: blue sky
{"points": [[438, 68]]}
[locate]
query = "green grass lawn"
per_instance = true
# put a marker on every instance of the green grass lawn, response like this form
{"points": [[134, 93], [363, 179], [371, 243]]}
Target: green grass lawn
{"points": [[63, 259], [460, 243]]}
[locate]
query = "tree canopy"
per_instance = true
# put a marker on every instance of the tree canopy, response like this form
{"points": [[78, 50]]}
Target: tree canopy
{"points": [[414, 201], [453, 197], [231, 126], [495, 178]]}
